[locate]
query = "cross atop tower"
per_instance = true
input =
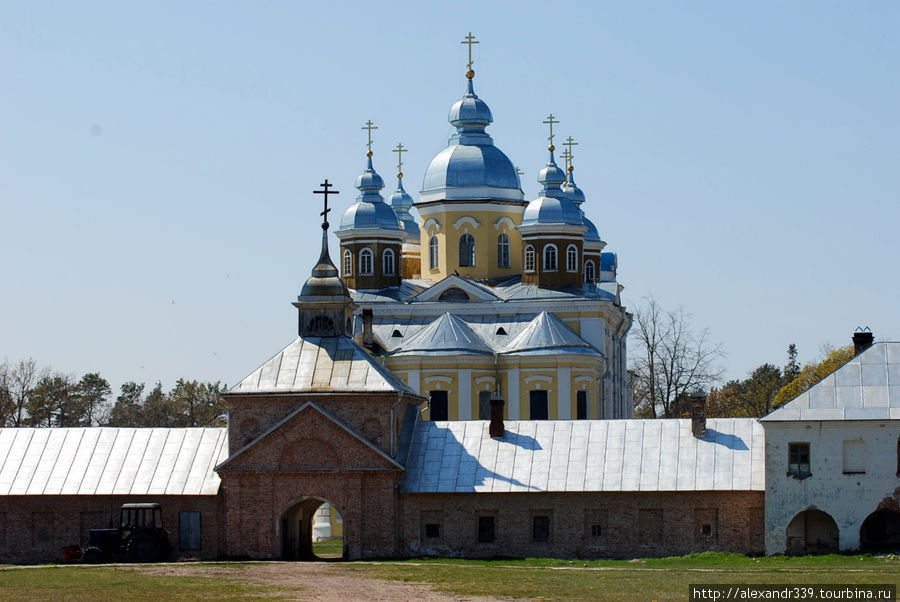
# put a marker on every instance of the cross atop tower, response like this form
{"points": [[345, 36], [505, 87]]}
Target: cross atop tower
{"points": [[570, 142], [567, 155], [550, 120], [369, 127], [325, 192], [470, 41], [400, 150]]}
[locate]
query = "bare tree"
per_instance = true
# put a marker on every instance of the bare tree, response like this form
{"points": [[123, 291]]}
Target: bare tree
{"points": [[670, 361], [21, 380]]}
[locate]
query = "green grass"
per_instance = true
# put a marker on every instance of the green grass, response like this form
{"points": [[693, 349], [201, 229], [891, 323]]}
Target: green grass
{"points": [[646, 579], [333, 548], [119, 583]]}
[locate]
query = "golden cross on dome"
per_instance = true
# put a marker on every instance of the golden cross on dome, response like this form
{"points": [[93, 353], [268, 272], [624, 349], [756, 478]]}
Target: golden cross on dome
{"points": [[550, 120], [567, 155], [469, 41], [325, 192], [570, 142], [400, 150], [369, 126]]}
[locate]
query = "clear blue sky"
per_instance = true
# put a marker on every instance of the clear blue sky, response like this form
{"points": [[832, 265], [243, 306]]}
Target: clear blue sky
{"points": [[157, 161]]}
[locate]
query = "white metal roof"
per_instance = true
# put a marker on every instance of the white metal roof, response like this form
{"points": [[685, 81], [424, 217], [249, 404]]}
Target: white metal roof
{"points": [[547, 333], [111, 461], [865, 388], [587, 455], [321, 364]]}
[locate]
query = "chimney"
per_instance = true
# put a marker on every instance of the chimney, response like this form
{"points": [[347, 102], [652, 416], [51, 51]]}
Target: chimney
{"points": [[368, 339], [862, 340], [698, 413], [496, 428]]}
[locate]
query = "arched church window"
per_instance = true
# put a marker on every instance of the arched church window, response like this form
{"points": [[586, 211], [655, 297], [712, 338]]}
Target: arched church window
{"points": [[590, 272], [571, 258], [503, 251], [550, 258], [348, 263], [466, 251], [529, 258], [321, 326], [388, 262], [365, 262], [433, 253]]}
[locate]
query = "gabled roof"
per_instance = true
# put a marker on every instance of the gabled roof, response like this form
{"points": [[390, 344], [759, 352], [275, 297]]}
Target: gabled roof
{"points": [[865, 388], [547, 334], [475, 291], [317, 364], [111, 461], [448, 334], [587, 455], [311, 407]]}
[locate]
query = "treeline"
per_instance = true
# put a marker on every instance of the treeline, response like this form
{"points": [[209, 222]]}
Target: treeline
{"points": [[41, 397]]}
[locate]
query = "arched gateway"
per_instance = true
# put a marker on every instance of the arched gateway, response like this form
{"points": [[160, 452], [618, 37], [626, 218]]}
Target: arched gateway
{"points": [[296, 529], [321, 420], [812, 532]]}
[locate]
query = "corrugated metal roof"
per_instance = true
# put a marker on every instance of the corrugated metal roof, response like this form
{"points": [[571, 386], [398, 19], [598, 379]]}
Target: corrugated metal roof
{"points": [[321, 364], [547, 333], [111, 461], [865, 388], [587, 455]]}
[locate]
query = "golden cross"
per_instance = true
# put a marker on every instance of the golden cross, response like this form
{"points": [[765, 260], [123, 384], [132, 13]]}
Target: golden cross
{"points": [[519, 171], [470, 40], [369, 126], [570, 142], [567, 155], [551, 121], [325, 192], [400, 150]]}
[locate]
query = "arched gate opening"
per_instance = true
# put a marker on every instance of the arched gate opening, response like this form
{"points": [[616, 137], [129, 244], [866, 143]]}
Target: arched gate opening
{"points": [[880, 532], [307, 522], [812, 532]]}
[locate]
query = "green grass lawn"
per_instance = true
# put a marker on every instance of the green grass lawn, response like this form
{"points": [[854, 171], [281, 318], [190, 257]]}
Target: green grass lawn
{"points": [[649, 579], [327, 550]]}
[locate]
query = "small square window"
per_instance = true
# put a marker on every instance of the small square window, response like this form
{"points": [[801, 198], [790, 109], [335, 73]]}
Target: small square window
{"points": [[596, 531], [706, 530], [485, 529], [541, 528], [432, 530]]}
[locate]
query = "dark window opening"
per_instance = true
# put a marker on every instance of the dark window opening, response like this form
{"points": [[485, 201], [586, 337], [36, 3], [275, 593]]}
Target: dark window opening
{"points": [[538, 402], [596, 531], [454, 294], [898, 456], [581, 406], [466, 251], [396, 333], [439, 406], [798, 460], [541, 528], [484, 405], [706, 530], [485, 529], [432, 530], [502, 330]]}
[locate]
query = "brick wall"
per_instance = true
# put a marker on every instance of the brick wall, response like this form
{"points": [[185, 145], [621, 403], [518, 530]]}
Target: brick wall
{"points": [[34, 528], [617, 525]]}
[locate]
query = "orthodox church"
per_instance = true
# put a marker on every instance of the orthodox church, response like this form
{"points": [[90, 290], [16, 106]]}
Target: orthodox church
{"points": [[487, 292], [475, 407]]}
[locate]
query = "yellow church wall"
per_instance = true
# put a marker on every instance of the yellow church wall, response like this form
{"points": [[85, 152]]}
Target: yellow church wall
{"points": [[485, 226]]}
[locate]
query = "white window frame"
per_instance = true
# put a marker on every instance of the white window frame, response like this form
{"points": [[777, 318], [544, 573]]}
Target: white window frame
{"points": [[366, 256], [433, 258], [388, 265], [348, 263], [529, 258], [590, 271], [551, 258], [571, 258], [503, 251], [469, 255]]}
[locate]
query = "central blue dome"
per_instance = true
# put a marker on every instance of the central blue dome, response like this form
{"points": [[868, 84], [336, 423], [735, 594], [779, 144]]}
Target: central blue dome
{"points": [[471, 167], [370, 210]]}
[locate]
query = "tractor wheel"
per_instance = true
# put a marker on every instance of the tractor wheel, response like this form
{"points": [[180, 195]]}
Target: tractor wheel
{"points": [[144, 547], [92, 555]]}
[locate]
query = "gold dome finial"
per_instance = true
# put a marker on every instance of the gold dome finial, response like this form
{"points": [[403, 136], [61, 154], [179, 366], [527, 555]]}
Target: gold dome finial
{"points": [[470, 73]]}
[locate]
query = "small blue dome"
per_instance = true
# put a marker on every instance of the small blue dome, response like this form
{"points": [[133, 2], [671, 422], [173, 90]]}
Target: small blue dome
{"points": [[471, 166], [401, 203], [470, 111], [370, 210], [573, 192], [591, 235], [552, 207], [608, 262]]}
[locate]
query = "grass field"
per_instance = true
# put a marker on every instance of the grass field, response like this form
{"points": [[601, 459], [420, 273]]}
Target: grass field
{"points": [[649, 579]]}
